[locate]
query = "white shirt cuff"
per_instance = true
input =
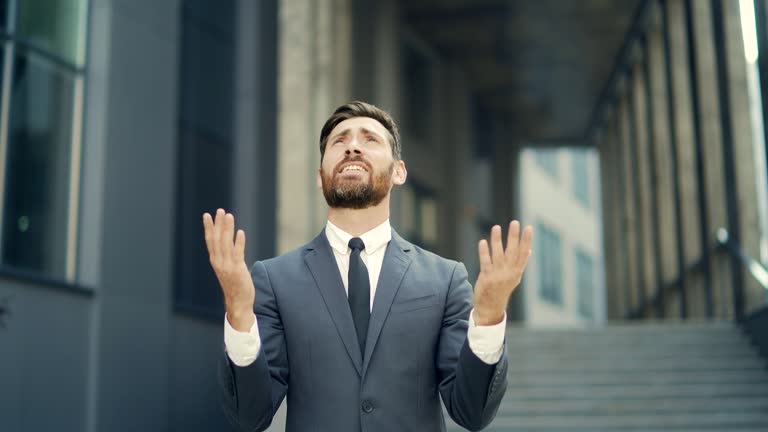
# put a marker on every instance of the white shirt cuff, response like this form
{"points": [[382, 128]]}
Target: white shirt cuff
{"points": [[242, 348], [487, 342]]}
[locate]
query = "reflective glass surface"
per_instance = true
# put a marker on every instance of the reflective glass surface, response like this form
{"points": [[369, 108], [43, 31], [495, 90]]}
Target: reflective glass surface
{"points": [[37, 168]]}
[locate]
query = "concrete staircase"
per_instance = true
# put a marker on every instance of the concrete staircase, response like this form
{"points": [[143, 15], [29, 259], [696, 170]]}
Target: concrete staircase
{"points": [[633, 377]]}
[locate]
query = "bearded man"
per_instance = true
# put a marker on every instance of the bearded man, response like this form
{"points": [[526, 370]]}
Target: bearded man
{"points": [[361, 329]]}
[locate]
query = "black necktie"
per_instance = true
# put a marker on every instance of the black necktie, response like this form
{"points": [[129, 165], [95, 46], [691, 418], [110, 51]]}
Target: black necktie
{"points": [[359, 291]]}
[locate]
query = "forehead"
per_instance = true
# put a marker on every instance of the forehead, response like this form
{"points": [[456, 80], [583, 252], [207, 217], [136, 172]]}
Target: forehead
{"points": [[357, 123]]}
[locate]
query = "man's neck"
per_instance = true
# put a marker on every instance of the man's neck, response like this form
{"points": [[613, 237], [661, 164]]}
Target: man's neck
{"points": [[359, 222]]}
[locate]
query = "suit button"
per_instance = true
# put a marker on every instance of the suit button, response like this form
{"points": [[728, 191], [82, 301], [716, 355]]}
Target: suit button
{"points": [[366, 406]]}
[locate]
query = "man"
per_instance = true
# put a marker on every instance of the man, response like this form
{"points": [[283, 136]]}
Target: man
{"points": [[360, 328]]}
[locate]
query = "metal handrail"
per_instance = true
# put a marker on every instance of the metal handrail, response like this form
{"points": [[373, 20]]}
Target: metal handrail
{"points": [[756, 269]]}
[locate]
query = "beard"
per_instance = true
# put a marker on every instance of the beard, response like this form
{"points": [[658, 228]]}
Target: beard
{"points": [[356, 194]]}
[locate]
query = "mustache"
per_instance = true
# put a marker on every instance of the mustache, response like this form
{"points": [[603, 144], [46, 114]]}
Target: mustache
{"points": [[353, 159]]}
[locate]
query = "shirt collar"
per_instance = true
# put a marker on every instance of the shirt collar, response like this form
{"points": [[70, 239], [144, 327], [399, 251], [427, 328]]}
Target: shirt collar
{"points": [[373, 239]]}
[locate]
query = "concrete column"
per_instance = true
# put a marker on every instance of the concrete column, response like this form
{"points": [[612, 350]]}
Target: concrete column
{"points": [[643, 186], [504, 177], [136, 63], [629, 222], [664, 190], [711, 137], [686, 156], [743, 151], [309, 89], [457, 118], [606, 144]]}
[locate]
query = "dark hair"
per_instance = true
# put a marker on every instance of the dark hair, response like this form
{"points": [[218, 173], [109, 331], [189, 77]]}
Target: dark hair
{"points": [[361, 109]]}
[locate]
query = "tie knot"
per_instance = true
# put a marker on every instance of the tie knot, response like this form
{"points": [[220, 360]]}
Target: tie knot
{"points": [[356, 243]]}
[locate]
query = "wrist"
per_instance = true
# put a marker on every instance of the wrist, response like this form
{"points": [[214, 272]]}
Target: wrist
{"points": [[487, 318], [240, 317]]}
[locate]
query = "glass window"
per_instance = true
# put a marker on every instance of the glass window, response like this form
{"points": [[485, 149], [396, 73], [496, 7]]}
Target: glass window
{"points": [[54, 26], [44, 88], [580, 173], [205, 146], [547, 160], [549, 263], [4, 14], [586, 283], [37, 179]]}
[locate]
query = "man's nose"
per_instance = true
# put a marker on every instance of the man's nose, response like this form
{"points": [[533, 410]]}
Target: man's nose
{"points": [[354, 147]]}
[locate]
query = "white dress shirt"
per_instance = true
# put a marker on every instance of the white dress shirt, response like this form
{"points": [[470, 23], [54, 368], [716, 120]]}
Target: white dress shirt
{"points": [[486, 342]]}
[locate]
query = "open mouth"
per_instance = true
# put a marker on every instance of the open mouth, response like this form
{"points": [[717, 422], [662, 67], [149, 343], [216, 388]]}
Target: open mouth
{"points": [[353, 167]]}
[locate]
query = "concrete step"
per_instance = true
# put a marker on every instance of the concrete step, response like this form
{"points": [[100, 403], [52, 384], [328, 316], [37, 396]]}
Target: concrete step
{"points": [[655, 377], [666, 365], [651, 407], [629, 348], [652, 361], [637, 392], [625, 422], [663, 326], [564, 378], [650, 340]]}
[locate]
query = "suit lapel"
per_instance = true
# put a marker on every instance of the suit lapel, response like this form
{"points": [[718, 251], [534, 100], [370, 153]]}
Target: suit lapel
{"points": [[324, 269], [396, 262]]}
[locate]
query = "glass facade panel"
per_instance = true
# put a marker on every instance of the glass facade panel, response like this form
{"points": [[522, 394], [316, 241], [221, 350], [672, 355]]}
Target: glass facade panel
{"points": [[548, 160], [549, 251], [37, 167], [580, 174], [4, 14], [54, 26], [585, 271]]}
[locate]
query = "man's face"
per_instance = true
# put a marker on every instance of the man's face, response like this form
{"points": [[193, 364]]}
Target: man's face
{"points": [[358, 169]]}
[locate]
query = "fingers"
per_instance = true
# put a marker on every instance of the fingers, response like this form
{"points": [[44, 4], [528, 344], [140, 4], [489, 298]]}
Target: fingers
{"points": [[524, 251], [209, 234], [497, 250], [513, 240], [218, 223], [240, 245], [228, 234], [485, 257], [220, 233]]}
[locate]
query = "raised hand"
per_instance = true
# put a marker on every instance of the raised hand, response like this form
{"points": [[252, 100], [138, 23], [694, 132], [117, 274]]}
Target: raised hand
{"points": [[227, 257], [501, 271]]}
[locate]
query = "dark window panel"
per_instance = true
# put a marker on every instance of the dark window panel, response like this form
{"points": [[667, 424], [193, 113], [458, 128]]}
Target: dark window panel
{"points": [[37, 171], [205, 146], [4, 4]]}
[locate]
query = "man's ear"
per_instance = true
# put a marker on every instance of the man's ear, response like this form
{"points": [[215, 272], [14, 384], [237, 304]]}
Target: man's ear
{"points": [[318, 179], [400, 174]]}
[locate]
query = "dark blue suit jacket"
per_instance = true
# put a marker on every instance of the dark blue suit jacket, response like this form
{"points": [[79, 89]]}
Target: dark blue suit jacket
{"points": [[416, 348]]}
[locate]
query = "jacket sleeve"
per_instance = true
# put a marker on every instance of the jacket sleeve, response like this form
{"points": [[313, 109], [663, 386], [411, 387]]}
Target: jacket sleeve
{"points": [[471, 389], [252, 394]]}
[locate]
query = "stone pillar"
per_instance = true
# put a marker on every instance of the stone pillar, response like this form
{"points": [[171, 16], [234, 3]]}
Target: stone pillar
{"points": [[665, 180], [647, 276], [629, 222], [611, 201], [313, 62], [686, 156], [743, 151], [712, 151]]}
